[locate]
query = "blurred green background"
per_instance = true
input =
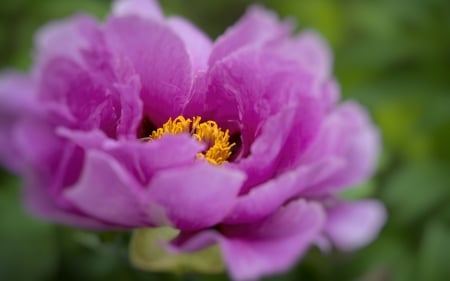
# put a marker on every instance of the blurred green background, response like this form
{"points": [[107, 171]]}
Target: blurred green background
{"points": [[392, 56]]}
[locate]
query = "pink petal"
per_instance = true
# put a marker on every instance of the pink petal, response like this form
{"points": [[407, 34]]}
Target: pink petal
{"points": [[351, 225], [193, 197]]}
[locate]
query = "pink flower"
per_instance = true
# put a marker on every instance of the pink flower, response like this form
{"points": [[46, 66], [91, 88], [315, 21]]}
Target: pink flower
{"points": [[143, 121]]}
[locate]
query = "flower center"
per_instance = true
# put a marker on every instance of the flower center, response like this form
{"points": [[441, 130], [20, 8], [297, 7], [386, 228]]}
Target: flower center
{"points": [[218, 146]]}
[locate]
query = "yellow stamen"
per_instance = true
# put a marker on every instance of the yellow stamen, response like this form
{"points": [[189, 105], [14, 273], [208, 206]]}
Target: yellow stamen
{"points": [[217, 141]]}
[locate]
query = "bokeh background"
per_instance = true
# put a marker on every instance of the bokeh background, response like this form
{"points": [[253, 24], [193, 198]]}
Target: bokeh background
{"points": [[392, 56]]}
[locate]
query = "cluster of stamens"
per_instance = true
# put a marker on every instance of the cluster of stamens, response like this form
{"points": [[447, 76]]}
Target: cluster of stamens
{"points": [[218, 146]]}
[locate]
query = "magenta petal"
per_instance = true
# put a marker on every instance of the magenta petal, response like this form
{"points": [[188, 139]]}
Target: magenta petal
{"points": [[105, 190], [351, 225], [161, 60], [197, 43], [266, 247], [148, 9], [193, 197], [256, 28]]}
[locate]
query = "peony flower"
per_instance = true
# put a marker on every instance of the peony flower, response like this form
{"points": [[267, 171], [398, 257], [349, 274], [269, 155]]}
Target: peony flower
{"points": [[143, 121]]}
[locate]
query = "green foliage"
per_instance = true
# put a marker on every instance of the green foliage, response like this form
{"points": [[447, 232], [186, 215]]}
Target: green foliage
{"points": [[392, 56]]}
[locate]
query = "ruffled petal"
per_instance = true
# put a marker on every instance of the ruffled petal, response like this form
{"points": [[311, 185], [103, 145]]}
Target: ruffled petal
{"points": [[256, 28], [266, 247], [106, 191], [161, 60], [351, 225], [193, 197], [148, 9]]}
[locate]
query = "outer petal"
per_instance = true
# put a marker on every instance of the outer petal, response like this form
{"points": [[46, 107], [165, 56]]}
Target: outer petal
{"points": [[351, 225], [266, 247], [16, 100], [160, 59], [193, 197], [347, 134], [148, 9], [106, 191], [256, 28]]}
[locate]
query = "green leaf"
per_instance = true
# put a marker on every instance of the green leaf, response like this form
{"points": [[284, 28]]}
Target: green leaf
{"points": [[435, 252], [415, 191], [147, 253]]}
